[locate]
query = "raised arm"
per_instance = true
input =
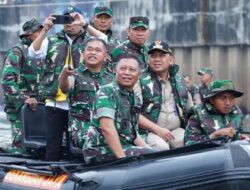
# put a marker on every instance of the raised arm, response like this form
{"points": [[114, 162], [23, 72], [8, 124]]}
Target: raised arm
{"points": [[65, 84], [47, 25], [80, 20]]}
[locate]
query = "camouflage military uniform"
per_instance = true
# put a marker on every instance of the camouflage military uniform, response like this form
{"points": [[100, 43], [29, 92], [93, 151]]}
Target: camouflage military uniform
{"points": [[193, 90], [203, 90], [152, 96], [128, 47], [206, 120], [113, 41], [55, 60], [81, 101], [20, 78], [123, 107]]}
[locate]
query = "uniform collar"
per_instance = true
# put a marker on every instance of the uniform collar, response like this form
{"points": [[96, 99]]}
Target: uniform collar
{"points": [[82, 68], [123, 90], [136, 47]]}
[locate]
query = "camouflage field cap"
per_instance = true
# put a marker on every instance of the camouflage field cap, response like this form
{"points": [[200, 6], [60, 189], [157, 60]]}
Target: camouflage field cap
{"points": [[219, 86], [159, 45], [30, 27], [205, 70], [72, 9], [137, 21], [103, 10]]}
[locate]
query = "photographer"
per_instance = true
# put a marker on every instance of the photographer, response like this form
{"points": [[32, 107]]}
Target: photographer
{"points": [[60, 49]]}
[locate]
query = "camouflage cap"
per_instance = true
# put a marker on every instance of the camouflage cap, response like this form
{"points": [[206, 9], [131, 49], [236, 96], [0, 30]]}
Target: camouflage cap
{"points": [[72, 9], [159, 45], [205, 70], [30, 27], [137, 21], [219, 86], [103, 10]]}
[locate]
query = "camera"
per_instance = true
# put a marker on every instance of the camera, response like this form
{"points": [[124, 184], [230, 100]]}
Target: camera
{"points": [[62, 19]]}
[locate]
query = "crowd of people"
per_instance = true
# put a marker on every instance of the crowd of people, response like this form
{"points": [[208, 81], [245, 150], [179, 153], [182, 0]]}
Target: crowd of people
{"points": [[114, 98]]}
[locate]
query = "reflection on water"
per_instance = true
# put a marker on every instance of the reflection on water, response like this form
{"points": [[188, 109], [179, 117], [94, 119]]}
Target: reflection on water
{"points": [[5, 135]]}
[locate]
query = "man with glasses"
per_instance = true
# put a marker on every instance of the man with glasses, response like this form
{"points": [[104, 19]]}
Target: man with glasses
{"points": [[217, 116]]}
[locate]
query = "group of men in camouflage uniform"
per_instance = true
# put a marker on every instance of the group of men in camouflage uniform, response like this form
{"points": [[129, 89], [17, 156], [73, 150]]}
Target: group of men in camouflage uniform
{"points": [[115, 99]]}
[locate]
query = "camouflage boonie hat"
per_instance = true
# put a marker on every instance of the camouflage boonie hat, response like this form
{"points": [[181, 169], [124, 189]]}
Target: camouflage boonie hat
{"points": [[30, 27], [205, 70], [159, 45], [72, 9], [103, 10], [137, 21], [219, 86]]}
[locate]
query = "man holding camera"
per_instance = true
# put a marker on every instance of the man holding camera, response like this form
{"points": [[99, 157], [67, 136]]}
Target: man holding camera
{"points": [[60, 49]]}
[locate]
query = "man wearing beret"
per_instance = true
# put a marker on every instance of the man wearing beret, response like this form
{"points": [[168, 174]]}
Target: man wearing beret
{"points": [[165, 100], [61, 49], [206, 77], [138, 33], [20, 78], [102, 20], [217, 116]]}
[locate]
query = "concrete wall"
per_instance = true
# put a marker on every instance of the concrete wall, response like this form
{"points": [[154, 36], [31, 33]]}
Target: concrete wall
{"points": [[228, 62], [189, 22]]}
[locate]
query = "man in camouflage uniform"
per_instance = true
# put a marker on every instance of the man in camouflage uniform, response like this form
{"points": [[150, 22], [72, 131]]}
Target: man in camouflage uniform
{"points": [[217, 116], [165, 100], [102, 20], [20, 78], [206, 75], [138, 33], [60, 49], [82, 87], [114, 132], [192, 88]]}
